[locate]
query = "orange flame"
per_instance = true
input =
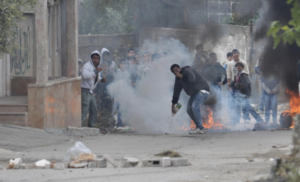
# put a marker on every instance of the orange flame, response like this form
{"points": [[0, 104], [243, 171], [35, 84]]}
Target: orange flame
{"points": [[294, 105], [208, 123]]}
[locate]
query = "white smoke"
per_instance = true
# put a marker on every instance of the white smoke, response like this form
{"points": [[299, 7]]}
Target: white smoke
{"points": [[147, 108]]}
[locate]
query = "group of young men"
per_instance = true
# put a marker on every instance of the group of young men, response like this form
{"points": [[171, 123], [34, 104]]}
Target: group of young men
{"points": [[98, 73], [206, 75]]}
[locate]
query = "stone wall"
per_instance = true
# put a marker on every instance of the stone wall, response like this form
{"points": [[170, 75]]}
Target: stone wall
{"points": [[117, 44]]}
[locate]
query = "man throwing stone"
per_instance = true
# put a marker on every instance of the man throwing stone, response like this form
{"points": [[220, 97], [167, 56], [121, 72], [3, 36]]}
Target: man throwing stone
{"points": [[195, 86]]}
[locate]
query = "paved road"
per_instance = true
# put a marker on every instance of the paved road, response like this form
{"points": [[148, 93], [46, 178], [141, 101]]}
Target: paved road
{"points": [[214, 156]]}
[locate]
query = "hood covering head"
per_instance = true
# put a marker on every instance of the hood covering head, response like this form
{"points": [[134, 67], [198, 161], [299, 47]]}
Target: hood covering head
{"points": [[98, 53], [102, 52]]}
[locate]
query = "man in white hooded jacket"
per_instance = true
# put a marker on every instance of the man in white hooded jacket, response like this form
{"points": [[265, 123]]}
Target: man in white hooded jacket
{"points": [[90, 78], [106, 57]]}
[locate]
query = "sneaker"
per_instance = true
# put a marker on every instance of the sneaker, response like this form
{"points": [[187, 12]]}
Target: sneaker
{"points": [[198, 131]]}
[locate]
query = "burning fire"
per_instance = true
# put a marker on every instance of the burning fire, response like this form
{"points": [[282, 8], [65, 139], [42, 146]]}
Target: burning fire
{"points": [[294, 105], [208, 123]]}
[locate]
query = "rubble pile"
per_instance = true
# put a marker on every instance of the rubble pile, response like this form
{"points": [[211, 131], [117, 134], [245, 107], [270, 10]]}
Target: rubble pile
{"points": [[79, 156]]}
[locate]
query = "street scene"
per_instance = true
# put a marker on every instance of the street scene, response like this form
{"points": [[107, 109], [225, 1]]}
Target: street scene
{"points": [[140, 90]]}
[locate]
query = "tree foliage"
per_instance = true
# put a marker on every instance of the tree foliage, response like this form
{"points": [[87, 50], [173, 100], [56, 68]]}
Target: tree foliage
{"points": [[11, 12], [289, 33], [107, 16]]}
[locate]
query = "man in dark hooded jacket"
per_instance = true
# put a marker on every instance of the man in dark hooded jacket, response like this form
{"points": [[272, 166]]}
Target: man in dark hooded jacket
{"points": [[215, 74], [242, 91], [195, 86]]}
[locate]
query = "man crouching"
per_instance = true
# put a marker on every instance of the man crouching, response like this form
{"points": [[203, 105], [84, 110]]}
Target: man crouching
{"points": [[195, 86]]}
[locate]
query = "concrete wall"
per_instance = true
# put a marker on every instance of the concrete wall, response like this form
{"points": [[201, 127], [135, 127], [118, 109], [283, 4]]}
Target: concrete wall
{"points": [[56, 104], [23, 57], [5, 76], [117, 44], [231, 37]]}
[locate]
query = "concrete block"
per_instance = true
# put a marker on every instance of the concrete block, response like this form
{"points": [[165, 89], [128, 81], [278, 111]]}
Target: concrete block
{"points": [[110, 160], [125, 163], [131, 161], [166, 162], [152, 163], [101, 163], [27, 166], [92, 164], [179, 162]]}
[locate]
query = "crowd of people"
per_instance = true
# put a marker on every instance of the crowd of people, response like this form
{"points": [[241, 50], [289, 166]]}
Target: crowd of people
{"points": [[204, 77], [99, 72]]}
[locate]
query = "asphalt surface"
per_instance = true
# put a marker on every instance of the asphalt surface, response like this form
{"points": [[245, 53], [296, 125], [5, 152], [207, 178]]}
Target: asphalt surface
{"points": [[214, 156]]}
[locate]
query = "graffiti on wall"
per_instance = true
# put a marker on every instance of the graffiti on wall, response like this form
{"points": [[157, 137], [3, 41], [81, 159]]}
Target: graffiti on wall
{"points": [[21, 60]]}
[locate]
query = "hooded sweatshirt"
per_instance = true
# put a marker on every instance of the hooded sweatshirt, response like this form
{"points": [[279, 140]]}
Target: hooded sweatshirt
{"points": [[192, 82], [111, 63], [89, 74]]}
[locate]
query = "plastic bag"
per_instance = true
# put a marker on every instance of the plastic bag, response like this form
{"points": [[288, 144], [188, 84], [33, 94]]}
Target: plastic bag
{"points": [[75, 151]]}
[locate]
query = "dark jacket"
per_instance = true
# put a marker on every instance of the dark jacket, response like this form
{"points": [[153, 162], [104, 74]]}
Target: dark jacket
{"points": [[214, 73], [243, 84], [200, 62], [192, 82]]}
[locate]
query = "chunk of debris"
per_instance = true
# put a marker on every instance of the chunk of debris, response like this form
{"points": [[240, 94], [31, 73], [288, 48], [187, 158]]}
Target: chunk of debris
{"points": [[110, 160], [250, 159], [129, 162], [86, 157], [42, 164], [168, 153], [74, 164], [14, 163]]}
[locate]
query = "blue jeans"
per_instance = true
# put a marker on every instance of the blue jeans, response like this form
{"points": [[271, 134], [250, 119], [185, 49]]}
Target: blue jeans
{"points": [[271, 101], [241, 101], [262, 98], [232, 99], [193, 108]]}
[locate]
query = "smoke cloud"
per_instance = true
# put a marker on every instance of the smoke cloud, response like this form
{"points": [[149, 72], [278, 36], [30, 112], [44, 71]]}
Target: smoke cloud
{"points": [[281, 61], [147, 108]]}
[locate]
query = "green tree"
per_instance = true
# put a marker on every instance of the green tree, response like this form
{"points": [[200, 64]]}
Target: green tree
{"points": [[289, 33], [107, 16], [11, 12]]}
